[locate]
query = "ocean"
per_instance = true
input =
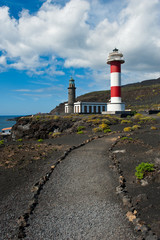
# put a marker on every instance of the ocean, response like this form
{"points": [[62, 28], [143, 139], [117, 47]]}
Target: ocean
{"points": [[4, 123]]}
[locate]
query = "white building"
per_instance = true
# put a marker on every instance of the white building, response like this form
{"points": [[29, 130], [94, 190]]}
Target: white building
{"points": [[88, 107], [6, 131]]}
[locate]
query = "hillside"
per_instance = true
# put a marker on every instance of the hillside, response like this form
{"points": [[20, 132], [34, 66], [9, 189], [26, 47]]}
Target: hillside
{"points": [[137, 96]]}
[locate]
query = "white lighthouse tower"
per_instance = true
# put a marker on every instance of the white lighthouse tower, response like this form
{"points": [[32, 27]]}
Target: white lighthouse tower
{"points": [[115, 59]]}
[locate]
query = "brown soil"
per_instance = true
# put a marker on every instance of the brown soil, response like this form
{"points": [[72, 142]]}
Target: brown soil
{"points": [[24, 153]]}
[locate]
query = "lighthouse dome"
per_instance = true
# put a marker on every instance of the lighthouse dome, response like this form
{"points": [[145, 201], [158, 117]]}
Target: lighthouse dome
{"points": [[115, 56]]}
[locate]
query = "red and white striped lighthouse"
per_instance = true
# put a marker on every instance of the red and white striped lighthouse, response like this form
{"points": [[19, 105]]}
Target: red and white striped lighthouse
{"points": [[115, 60]]}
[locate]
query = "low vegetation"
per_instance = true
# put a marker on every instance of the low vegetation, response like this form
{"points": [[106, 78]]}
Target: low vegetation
{"points": [[135, 127], [19, 140], [142, 169], [102, 128], [125, 121], [153, 128], [126, 138], [80, 132], [56, 134], [1, 142], [97, 129], [107, 130], [80, 128], [127, 129]]}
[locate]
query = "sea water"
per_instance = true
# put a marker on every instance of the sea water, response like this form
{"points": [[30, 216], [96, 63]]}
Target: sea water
{"points": [[4, 123]]}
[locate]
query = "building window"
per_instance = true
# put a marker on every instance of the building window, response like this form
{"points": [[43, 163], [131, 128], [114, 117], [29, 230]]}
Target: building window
{"points": [[85, 109], [90, 109], [103, 108], [99, 109], [94, 109]]}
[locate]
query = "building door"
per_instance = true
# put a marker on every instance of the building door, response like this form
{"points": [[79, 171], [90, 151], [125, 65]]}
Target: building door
{"points": [[103, 109], [78, 109], [94, 109], [85, 109], [99, 109], [90, 109]]}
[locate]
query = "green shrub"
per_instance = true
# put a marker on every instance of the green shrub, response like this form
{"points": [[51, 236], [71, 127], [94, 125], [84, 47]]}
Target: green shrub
{"points": [[107, 130], [127, 129], [56, 117], [80, 128], [141, 122], [67, 117], [153, 128], [135, 127], [37, 117], [97, 129], [56, 134], [103, 126], [126, 121], [106, 121], [80, 132], [148, 119], [95, 121], [1, 142], [19, 140], [40, 140], [142, 168], [19, 146], [138, 116], [126, 138]]}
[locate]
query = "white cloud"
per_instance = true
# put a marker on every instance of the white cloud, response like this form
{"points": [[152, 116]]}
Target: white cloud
{"points": [[82, 32], [39, 93], [22, 90], [52, 88], [3, 60]]}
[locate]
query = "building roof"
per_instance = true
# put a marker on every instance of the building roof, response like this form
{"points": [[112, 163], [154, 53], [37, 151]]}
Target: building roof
{"points": [[89, 103], [4, 129]]}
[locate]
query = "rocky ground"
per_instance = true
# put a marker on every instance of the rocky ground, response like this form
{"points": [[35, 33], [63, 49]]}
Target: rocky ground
{"points": [[24, 162], [141, 146]]}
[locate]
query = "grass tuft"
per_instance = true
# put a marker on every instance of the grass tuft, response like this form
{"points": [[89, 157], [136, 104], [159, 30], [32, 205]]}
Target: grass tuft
{"points": [[153, 128], [127, 129], [143, 168], [135, 127]]}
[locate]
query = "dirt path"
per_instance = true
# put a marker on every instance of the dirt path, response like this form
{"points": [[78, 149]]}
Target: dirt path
{"points": [[79, 200]]}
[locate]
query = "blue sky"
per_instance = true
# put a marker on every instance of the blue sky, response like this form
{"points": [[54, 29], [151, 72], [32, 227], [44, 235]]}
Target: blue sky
{"points": [[43, 43]]}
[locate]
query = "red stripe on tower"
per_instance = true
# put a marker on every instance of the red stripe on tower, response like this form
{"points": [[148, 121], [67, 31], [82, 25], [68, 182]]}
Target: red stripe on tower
{"points": [[115, 67], [115, 92]]}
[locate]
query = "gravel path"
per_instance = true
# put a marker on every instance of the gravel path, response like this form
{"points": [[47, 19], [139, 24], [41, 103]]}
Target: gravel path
{"points": [[16, 184], [79, 200]]}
